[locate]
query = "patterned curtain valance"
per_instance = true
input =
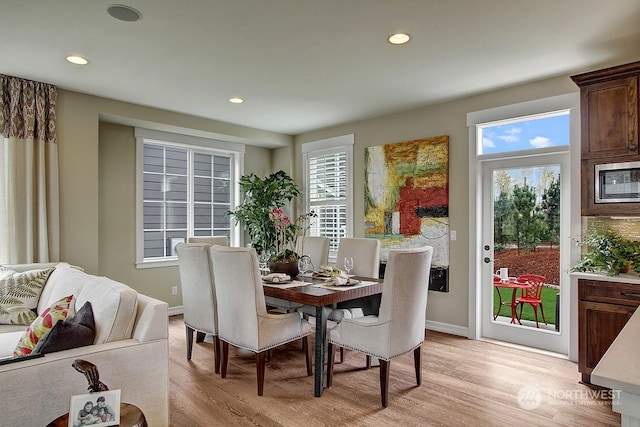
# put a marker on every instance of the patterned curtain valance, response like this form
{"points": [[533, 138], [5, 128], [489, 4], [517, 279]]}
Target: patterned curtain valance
{"points": [[27, 109]]}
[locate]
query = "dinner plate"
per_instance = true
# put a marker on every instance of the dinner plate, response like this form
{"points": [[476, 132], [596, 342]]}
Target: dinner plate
{"points": [[281, 282], [349, 283], [321, 275]]}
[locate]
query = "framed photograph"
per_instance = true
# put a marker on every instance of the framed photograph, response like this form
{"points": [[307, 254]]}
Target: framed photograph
{"points": [[95, 409]]}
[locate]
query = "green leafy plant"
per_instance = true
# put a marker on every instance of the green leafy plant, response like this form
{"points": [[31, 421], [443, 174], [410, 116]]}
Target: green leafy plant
{"points": [[261, 213], [608, 251]]}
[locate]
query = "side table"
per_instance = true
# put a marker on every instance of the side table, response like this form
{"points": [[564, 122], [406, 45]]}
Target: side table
{"points": [[130, 416]]}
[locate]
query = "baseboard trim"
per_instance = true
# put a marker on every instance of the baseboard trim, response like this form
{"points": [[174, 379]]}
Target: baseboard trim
{"points": [[174, 311], [446, 328]]}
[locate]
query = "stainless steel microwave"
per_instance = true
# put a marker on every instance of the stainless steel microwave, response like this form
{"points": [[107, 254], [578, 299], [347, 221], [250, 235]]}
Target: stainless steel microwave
{"points": [[617, 182]]}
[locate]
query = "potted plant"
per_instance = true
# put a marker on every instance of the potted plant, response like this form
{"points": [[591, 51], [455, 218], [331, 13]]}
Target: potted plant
{"points": [[262, 215], [285, 259], [609, 252]]}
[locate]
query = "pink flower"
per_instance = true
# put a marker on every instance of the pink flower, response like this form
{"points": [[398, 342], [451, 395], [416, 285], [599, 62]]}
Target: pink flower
{"points": [[286, 229]]}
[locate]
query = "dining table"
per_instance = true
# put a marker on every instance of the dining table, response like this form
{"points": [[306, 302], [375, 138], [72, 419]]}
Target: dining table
{"points": [[313, 292], [513, 284]]}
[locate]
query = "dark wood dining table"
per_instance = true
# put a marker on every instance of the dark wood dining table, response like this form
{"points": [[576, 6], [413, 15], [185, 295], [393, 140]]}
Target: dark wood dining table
{"points": [[323, 300]]}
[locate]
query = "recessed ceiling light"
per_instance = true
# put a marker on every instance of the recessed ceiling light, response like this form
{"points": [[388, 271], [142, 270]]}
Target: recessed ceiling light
{"points": [[399, 38], [124, 13], [78, 60], [236, 100]]}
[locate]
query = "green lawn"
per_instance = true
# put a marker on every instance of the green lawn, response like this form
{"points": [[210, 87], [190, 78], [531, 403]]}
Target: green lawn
{"points": [[548, 302]]}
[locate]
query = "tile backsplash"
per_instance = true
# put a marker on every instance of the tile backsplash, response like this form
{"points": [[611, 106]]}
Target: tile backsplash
{"points": [[628, 227]]}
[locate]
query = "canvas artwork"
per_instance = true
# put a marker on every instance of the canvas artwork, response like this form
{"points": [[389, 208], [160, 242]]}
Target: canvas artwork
{"points": [[407, 196]]}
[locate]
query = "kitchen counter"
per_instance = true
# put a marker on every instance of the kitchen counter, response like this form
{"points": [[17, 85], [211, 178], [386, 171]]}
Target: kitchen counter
{"points": [[632, 278], [619, 370], [629, 278]]}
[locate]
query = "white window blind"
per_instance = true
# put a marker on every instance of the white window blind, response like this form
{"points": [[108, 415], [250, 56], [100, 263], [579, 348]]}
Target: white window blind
{"points": [[327, 186]]}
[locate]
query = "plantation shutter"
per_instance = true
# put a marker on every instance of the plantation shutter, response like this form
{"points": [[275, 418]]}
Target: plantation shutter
{"points": [[327, 192]]}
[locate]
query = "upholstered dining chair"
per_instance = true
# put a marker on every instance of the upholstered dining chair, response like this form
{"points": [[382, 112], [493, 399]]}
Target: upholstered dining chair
{"points": [[316, 247], [365, 253], [399, 326], [532, 295], [243, 320], [198, 296], [366, 262], [209, 240]]}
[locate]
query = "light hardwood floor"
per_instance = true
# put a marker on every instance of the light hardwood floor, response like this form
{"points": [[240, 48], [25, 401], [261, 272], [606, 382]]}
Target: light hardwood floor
{"points": [[464, 383]]}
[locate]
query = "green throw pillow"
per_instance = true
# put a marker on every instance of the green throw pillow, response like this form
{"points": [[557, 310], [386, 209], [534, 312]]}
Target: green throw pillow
{"points": [[19, 295]]}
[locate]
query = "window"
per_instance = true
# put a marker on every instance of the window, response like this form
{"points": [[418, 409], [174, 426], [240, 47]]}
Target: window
{"points": [[328, 180], [524, 133], [185, 187]]}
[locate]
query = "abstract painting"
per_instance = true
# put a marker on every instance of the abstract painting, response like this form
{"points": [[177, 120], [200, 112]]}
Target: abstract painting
{"points": [[407, 196]]}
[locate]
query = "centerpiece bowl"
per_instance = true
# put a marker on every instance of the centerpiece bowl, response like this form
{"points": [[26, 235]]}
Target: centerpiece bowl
{"points": [[290, 268]]}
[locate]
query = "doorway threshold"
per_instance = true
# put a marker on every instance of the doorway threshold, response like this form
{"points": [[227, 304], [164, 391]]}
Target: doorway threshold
{"points": [[525, 348]]}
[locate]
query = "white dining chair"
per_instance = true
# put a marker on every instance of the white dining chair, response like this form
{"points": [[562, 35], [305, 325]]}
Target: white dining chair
{"points": [[316, 247], [399, 326], [365, 253], [198, 296], [243, 320], [209, 240], [366, 263]]}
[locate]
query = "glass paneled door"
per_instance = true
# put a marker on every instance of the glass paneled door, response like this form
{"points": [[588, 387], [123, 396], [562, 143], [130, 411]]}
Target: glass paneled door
{"points": [[523, 234]]}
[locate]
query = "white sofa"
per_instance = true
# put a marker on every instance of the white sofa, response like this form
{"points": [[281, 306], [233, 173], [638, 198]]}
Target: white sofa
{"points": [[130, 351]]}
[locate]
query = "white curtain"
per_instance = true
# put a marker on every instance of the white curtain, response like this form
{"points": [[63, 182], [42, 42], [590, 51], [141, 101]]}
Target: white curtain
{"points": [[29, 212]]}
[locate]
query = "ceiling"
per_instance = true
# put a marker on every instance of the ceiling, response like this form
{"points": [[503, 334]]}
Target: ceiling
{"points": [[303, 65]]}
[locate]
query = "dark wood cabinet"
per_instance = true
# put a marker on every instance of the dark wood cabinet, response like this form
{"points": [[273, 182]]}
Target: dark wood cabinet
{"points": [[610, 119], [603, 310], [609, 129]]}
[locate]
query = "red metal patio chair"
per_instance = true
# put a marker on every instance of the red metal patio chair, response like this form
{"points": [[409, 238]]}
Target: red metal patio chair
{"points": [[532, 295]]}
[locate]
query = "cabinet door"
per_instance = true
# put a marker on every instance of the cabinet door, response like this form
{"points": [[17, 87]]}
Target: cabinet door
{"points": [[610, 118], [599, 324]]}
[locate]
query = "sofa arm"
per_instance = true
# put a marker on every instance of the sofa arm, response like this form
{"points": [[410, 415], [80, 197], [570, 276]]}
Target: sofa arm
{"points": [[37, 391], [152, 319]]}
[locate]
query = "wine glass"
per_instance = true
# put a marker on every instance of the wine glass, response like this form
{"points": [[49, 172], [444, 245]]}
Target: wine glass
{"points": [[304, 264], [348, 264], [263, 259]]}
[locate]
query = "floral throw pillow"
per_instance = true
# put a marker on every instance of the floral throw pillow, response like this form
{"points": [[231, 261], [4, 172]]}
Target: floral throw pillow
{"points": [[59, 310], [70, 333], [19, 295]]}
